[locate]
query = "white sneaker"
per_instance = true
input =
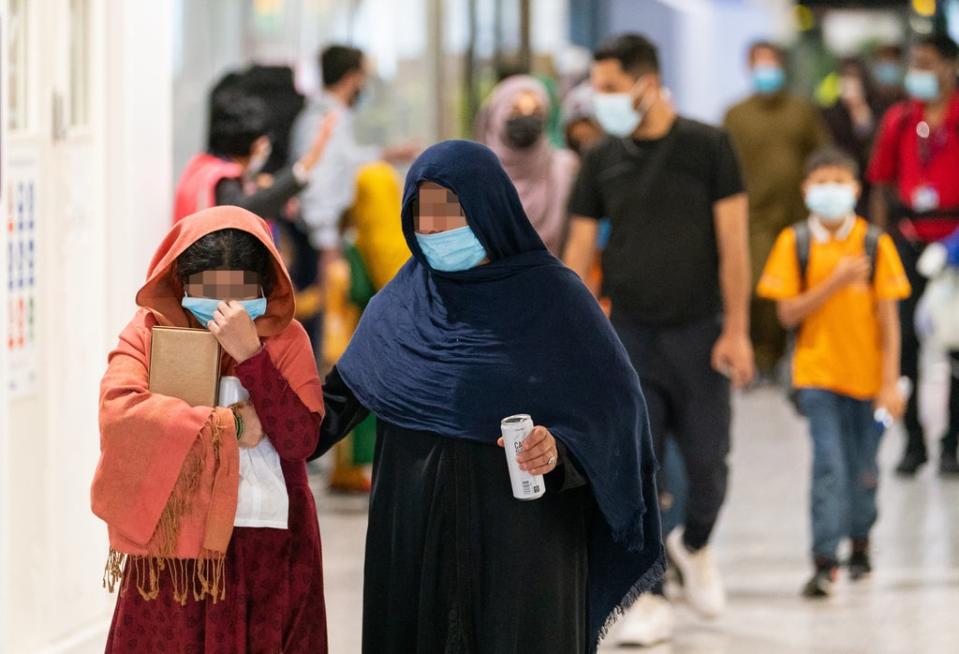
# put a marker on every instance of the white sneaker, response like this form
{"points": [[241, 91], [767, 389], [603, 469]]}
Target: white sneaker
{"points": [[648, 622], [701, 581]]}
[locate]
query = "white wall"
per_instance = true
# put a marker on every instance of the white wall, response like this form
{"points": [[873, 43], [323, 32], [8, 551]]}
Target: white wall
{"points": [[4, 411], [104, 202]]}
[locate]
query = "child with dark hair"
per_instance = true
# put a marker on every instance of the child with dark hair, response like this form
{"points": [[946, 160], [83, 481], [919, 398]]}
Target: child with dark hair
{"points": [[206, 555], [238, 146], [837, 280]]}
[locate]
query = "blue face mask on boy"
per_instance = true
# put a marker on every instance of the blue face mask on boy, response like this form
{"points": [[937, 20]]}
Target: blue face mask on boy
{"points": [[832, 203], [453, 250], [203, 308]]}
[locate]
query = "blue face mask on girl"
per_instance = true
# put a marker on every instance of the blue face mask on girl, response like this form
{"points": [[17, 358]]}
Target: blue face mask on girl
{"points": [[832, 203], [453, 250], [203, 308]]}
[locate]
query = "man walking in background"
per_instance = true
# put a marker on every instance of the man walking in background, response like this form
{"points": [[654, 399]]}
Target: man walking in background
{"points": [[915, 169], [677, 272], [333, 181], [774, 132]]}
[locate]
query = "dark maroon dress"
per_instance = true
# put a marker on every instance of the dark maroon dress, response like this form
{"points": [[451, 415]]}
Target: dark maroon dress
{"points": [[274, 578]]}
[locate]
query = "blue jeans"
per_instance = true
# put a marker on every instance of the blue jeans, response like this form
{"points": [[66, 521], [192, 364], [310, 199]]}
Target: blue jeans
{"points": [[845, 474]]}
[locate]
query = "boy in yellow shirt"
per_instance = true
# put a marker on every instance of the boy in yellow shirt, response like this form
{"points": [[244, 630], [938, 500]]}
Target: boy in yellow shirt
{"points": [[838, 281]]}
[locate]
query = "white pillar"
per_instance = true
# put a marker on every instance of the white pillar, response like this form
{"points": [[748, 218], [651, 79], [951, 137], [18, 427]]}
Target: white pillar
{"points": [[104, 203], [139, 147]]}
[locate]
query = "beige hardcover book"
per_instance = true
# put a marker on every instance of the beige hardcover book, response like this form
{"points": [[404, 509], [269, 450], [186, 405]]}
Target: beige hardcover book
{"points": [[185, 363]]}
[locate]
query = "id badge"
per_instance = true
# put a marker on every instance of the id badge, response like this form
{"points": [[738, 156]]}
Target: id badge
{"points": [[925, 198]]}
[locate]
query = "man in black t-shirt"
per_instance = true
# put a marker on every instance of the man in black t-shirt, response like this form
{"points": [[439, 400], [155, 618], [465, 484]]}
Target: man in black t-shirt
{"points": [[677, 272]]}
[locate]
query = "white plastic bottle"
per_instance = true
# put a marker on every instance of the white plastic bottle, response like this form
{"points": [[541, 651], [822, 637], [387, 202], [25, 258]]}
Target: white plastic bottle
{"points": [[882, 415], [515, 430], [232, 391]]}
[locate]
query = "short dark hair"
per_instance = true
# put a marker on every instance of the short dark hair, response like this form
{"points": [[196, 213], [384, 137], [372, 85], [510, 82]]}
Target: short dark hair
{"points": [[852, 62], [336, 61], [635, 53], [227, 249], [831, 156], [890, 50], [941, 43], [237, 120], [763, 44]]}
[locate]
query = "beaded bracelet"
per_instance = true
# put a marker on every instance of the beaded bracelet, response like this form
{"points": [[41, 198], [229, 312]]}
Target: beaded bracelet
{"points": [[238, 420]]}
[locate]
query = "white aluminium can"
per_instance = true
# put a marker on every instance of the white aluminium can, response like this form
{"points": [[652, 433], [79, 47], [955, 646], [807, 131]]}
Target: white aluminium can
{"points": [[515, 430]]}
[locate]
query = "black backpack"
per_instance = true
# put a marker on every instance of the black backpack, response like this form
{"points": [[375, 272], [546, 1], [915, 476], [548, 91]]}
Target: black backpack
{"points": [[804, 245]]}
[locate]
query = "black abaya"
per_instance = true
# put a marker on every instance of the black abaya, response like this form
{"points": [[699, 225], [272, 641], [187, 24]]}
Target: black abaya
{"points": [[454, 563]]}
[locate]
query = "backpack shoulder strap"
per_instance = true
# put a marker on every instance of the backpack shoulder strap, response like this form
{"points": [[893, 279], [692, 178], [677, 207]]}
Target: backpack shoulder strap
{"points": [[873, 234], [803, 244]]}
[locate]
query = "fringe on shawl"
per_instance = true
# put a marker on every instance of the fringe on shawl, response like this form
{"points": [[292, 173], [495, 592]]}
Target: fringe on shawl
{"points": [[201, 577], [188, 578], [643, 585], [631, 536]]}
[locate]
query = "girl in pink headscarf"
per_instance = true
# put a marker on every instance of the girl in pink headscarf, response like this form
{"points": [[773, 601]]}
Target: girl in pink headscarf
{"points": [[512, 123]]}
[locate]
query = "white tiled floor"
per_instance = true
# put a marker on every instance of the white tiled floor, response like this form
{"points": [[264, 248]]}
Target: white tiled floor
{"points": [[910, 606]]}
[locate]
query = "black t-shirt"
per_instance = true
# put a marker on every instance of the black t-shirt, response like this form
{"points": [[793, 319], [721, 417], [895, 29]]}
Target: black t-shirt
{"points": [[661, 265]]}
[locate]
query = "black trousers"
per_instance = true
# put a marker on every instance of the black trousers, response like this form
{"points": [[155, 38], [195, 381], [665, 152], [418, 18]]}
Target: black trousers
{"points": [[689, 401], [910, 252]]}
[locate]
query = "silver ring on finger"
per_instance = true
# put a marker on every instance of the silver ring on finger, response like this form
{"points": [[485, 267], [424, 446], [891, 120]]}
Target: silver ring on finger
{"points": [[551, 460]]}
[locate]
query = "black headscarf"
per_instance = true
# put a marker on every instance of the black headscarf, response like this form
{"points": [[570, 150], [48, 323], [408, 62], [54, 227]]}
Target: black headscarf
{"points": [[455, 352]]}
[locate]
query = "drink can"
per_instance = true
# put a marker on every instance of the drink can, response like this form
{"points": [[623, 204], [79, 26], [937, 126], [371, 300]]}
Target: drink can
{"points": [[515, 430]]}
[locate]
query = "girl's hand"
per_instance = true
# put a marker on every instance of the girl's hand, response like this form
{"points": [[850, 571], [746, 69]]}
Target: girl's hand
{"points": [[539, 455], [235, 331], [252, 429]]}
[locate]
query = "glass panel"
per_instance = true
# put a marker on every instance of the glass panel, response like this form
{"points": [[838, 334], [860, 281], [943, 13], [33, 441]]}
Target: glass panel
{"points": [[394, 36], [79, 62]]}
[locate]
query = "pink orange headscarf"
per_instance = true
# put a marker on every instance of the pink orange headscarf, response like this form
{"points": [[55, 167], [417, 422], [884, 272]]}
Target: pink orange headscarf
{"points": [[168, 476]]}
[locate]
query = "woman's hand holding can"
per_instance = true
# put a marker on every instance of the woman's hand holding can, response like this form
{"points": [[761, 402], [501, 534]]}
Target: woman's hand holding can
{"points": [[539, 455]]}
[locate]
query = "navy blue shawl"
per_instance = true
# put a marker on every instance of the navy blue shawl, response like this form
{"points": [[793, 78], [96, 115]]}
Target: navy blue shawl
{"points": [[454, 353]]}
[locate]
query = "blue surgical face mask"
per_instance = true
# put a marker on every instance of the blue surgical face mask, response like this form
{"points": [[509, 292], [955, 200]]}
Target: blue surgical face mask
{"points": [[887, 73], [616, 114], [203, 308], [768, 79], [453, 250], [922, 85], [831, 203]]}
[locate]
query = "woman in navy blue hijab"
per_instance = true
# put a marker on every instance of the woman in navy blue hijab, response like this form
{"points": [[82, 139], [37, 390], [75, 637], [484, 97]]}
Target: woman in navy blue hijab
{"points": [[480, 324]]}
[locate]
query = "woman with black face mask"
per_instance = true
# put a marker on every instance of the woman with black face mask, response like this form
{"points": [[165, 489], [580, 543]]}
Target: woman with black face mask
{"points": [[512, 123]]}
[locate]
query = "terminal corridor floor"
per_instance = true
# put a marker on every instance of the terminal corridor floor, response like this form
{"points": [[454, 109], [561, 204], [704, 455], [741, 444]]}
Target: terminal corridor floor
{"points": [[910, 605]]}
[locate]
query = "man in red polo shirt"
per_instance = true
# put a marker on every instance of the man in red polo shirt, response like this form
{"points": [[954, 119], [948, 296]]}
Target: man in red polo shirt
{"points": [[915, 172]]}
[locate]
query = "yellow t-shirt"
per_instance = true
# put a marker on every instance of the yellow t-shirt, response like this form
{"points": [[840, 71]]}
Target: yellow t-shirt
{"points": [[839, 346]]}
